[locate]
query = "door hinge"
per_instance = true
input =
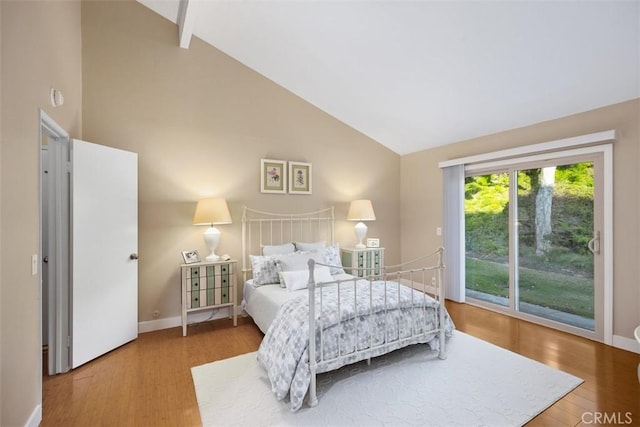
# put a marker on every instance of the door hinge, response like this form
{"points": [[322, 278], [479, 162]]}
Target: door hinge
{"points": [[68, 342]]}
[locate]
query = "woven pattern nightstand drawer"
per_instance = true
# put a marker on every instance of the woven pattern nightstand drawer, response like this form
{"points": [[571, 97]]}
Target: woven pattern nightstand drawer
{"points": [[363, 262], [208, 285]]}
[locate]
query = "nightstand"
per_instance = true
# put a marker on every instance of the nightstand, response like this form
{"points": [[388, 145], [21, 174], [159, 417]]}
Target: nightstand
{"points": [[363, 262], [206, 286]]}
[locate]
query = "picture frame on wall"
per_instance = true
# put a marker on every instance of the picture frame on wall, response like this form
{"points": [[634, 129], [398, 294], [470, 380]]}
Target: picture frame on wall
{"points": [[373, 243], [300, 178], [273, 176], [191, 257]]}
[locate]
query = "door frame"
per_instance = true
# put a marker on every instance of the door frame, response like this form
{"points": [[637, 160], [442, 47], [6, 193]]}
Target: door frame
{"points": [[584, 144], [59, 352], [605, 189]]}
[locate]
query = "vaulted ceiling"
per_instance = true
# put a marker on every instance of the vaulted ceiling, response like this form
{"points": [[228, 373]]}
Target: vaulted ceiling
{"points": [[419, 74]]}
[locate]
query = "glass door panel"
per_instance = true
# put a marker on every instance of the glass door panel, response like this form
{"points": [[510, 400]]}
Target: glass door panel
{"points": [[532, 240], [555, 218], [487, 238]]}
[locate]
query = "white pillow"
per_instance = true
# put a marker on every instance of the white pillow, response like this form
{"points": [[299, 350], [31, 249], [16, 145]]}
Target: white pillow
{"points": [[298, 260], [302, 246], [286, 248], [299, 279]]}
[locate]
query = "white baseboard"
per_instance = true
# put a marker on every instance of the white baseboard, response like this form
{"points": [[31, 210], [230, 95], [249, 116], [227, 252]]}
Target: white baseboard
{"points": [[626, 344], [35, 418], [158, 324], [172, 322]]}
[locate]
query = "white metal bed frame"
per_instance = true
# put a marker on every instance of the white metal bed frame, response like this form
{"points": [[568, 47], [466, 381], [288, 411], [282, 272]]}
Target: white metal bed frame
{"points": [[261, 228], [276, 229], [426, 279]]}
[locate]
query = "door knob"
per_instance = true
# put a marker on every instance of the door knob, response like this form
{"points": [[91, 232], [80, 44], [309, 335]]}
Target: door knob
{"points": [[133, 256]]}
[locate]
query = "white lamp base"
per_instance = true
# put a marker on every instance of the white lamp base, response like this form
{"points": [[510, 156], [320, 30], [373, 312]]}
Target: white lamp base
{"points": [[212, 238], [361, 232]]}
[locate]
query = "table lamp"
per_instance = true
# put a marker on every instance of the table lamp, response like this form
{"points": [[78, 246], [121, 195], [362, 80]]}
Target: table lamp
{"points": [[361, 210], [209, 212]]}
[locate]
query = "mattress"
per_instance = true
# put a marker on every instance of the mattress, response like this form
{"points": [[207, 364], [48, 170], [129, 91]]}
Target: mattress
{"points": [[263, 302]]}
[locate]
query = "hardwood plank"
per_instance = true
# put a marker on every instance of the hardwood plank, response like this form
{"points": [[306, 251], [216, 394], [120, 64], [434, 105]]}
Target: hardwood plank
{"points": [[587, 405], [148, 381], [561, 417], [546, 420]]}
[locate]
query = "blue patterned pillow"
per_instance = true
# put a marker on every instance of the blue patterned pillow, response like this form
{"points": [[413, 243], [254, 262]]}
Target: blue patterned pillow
{"points": [[331, 255], [264, 269]]}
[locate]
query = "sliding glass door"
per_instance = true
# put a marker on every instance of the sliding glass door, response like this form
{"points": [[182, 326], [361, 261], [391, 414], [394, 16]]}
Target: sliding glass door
{"points": [[532, 240], [487, 237]]}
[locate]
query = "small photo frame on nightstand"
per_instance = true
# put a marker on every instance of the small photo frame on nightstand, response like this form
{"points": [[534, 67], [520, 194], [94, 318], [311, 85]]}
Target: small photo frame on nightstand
{"points": [[191, 257], [373, 243]]}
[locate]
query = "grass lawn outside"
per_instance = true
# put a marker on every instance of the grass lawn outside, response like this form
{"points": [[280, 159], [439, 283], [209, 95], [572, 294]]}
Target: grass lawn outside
{"points": [[562, 292]]}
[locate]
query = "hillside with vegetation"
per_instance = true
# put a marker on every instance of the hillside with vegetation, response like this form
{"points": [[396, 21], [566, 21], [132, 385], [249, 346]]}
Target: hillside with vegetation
{"points": [[556, 266]]}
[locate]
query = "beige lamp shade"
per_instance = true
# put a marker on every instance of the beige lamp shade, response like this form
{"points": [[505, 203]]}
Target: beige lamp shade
{"points": [[361, 210], [212, 211], [209, 212]]}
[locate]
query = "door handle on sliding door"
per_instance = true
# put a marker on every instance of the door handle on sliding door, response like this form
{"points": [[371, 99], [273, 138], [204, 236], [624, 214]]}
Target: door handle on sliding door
{"points": [[594, 244]]}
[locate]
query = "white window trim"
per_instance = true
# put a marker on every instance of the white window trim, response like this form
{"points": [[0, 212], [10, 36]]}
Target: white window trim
{"points": [[550, 146]]}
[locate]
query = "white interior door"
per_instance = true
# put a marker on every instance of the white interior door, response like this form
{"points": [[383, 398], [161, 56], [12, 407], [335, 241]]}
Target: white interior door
{"points": [[104, 246]]}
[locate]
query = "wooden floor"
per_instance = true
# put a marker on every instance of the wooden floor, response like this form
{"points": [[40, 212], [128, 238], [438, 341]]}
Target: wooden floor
{"points": [[148, 381]]}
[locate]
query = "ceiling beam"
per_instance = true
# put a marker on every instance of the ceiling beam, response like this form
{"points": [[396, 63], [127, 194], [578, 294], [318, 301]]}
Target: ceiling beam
{"points": [[186, 22]]}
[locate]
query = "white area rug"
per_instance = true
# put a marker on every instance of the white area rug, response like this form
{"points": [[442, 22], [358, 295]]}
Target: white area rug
{"points": [[478, 384]]}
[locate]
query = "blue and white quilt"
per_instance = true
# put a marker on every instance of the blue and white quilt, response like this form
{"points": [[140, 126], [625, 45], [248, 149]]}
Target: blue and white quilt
{"points": [[376, 317]]}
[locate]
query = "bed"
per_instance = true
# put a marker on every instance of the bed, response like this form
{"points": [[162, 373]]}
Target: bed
{"points": [[295, 287]]}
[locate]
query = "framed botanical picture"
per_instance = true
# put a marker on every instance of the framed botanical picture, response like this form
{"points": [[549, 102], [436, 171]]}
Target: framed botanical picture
{"points": [[190, 256], [273, 176], [299, 178]]}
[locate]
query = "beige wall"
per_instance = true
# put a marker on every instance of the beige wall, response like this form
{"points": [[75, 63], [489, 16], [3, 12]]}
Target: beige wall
{"points": [[421, 182], [41, 48], [201, 122]]}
